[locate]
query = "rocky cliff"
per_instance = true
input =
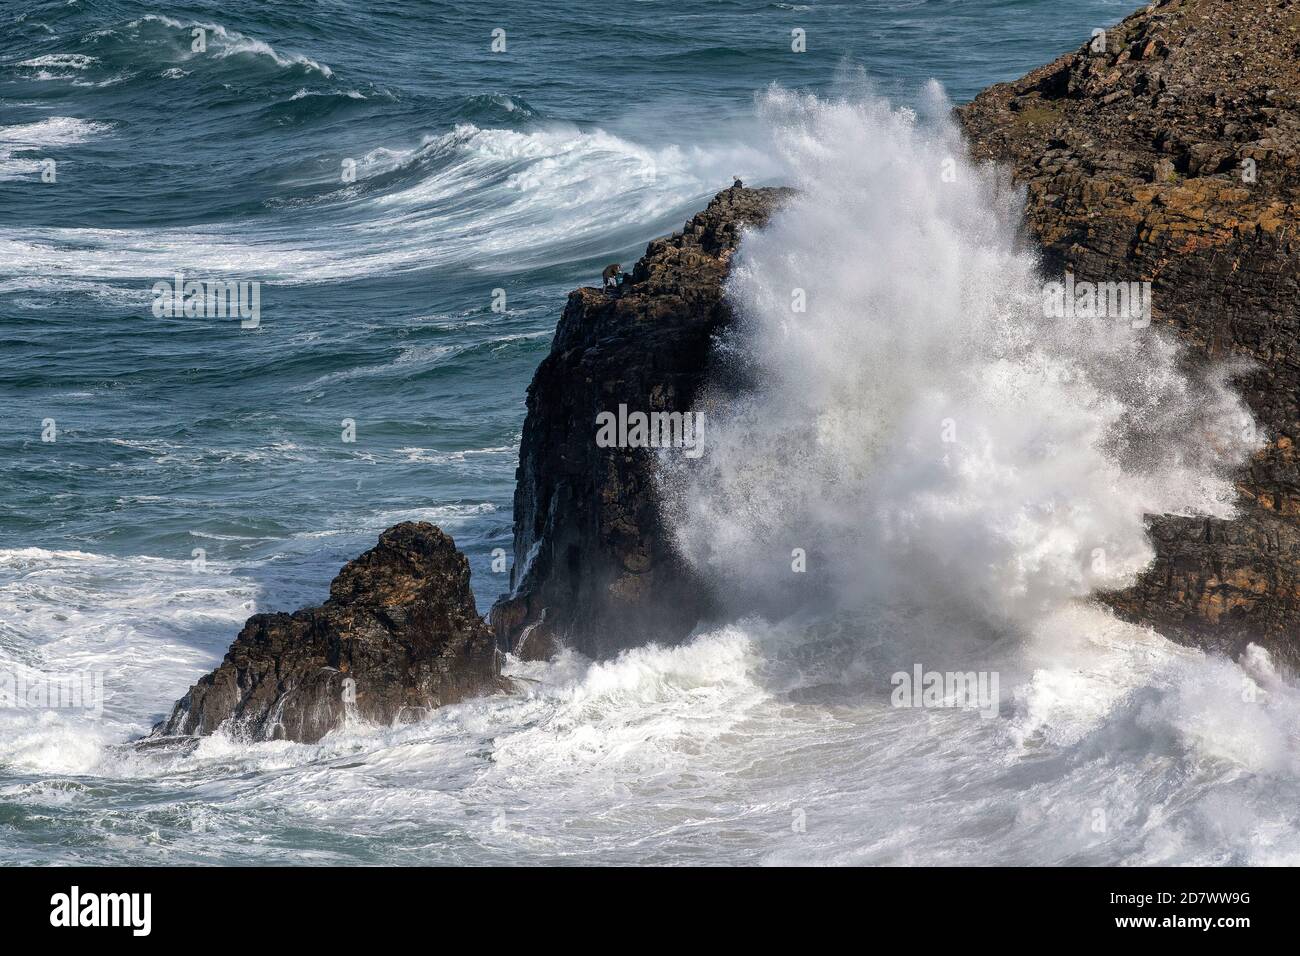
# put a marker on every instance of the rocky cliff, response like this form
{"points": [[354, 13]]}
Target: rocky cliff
{"points": [[1163, 149], [1168, 149], [592, 566], [398, 636]]}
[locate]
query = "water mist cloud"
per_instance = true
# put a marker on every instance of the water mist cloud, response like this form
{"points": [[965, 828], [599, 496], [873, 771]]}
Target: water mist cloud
{"points": [[919, 426]]}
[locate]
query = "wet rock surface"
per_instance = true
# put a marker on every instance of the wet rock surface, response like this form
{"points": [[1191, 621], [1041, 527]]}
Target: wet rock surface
{"points": [[1169, 151], [593, 566], [399, 636]]}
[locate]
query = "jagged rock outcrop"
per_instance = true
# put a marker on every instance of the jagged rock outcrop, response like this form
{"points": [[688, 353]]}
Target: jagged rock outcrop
{"points": [[1169, 151], [398, 636], [592, 565]]}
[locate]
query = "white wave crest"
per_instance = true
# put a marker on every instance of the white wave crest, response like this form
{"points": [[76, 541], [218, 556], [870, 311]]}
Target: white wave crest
{"points": [[536, 197], [226, 43]]}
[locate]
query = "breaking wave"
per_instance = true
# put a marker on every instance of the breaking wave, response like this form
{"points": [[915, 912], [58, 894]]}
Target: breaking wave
{"points": [[469, 196], [923, 432], [221, 42]]}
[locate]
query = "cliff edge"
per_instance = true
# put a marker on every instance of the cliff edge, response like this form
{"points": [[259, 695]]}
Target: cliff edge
{"points": [[593, 567], [1167, 149]]}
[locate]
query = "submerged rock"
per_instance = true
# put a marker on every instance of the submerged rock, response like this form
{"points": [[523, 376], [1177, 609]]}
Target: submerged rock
{"points": [[593, 566], [398, 636], [1168, 150]]}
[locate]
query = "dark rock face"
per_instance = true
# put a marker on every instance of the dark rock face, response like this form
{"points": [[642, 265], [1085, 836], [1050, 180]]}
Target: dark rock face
{"points": [[593, 567], [398, 636], [1173, 155]]}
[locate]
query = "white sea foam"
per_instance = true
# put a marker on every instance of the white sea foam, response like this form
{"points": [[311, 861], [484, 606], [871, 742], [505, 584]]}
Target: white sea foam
{"points": [[432, 456], [711, 752], [148, 626], [75, 61], [304, 93], [21, 145], [442, 515], [742, 747]]}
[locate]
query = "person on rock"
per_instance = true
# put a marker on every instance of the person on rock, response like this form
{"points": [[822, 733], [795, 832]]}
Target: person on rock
{"points": [[610, 276]]}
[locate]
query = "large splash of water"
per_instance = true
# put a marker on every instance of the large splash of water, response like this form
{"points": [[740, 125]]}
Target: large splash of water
{"points": [[915, 423]]}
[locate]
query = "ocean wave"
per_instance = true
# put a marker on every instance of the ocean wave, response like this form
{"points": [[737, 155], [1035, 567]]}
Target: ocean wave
{"points": [[302, 94], [52, 132], [707, 750], [495, 109], [485, 198], [711, 750], [435, 515], [75, 79], [227, 43], [413, 358], [431, 456]]}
